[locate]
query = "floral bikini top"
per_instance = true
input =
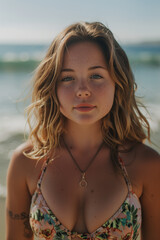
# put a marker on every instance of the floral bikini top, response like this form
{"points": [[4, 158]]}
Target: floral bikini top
{"points": [[125, 223]]}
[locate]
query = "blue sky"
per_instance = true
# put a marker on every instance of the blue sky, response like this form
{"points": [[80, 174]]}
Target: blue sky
{"points": [[38, 21]]}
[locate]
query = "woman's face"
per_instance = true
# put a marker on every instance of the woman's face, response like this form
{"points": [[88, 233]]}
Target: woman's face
{"points": [[85, 89]]}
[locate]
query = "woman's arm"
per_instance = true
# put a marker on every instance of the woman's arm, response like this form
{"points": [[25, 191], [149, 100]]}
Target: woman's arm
{"points": [[18, 200], [150, 198]]}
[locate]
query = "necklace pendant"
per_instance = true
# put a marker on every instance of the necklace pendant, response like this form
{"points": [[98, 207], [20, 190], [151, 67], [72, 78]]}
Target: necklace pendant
{"points": [[83, 182]]}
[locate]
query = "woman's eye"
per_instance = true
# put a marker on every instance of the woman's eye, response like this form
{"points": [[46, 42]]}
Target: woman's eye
{"points": [[67, 79], [96, 76]]}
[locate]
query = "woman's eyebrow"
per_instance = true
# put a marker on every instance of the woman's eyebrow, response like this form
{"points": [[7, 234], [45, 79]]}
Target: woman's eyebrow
{"points": [[95, 67]]}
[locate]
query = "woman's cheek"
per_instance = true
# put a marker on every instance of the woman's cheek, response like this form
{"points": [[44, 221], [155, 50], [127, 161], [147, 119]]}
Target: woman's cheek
{"points": [[64, 93]]}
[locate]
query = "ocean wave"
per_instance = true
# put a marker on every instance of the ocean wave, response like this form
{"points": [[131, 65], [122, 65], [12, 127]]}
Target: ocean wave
{"points": [[31, 64], [18, 65], [20, 57], [143, 53], [17, 61], [145, 59]]}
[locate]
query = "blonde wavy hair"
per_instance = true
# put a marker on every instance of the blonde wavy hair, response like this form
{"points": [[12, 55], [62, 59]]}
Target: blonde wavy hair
{"points": [[125, 122]]}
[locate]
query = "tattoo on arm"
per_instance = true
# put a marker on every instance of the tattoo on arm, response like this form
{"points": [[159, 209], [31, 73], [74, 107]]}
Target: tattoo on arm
{"points": [[25, 217]]}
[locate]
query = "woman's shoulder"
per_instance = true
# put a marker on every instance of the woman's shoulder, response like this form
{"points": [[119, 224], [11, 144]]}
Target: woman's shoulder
{"points": [[20, 164], [143, 166], [142, 154], [24, 169], [150, 163], [150, 178], [147, 165], [147, 156], [18, 156]]}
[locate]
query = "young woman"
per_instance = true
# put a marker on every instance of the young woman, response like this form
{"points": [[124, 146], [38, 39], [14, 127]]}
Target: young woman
{"points": [[85, 172]]}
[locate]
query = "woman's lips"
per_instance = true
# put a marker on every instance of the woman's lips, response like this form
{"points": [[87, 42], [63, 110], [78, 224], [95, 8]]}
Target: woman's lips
{"points": [[84, 107]]}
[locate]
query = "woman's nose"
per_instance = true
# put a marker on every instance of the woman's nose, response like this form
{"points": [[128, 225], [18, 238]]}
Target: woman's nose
{"points": [[83, 93]]}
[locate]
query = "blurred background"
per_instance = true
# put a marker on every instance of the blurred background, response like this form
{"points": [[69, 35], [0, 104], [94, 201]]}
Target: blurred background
{"points": [[26, 31]]}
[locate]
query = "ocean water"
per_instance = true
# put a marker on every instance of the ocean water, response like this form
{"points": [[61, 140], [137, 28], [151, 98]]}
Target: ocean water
{"points": [[17, 64]]}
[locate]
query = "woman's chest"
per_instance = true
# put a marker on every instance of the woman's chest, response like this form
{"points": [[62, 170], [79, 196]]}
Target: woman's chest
{"points": [[78, 208]]}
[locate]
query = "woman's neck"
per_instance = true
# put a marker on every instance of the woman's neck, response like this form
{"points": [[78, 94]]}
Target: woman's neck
{"points": [[83, 137]]}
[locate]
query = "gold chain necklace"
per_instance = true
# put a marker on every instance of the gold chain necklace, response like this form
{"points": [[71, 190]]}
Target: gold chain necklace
{"points": [[83, 183]]}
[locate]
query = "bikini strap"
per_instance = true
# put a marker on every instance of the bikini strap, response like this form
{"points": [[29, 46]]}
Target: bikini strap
{"points": [[125, 174], [43, 169]]}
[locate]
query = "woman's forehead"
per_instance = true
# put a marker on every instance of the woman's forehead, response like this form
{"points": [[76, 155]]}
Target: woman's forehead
{"points": [[84, 53]]}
